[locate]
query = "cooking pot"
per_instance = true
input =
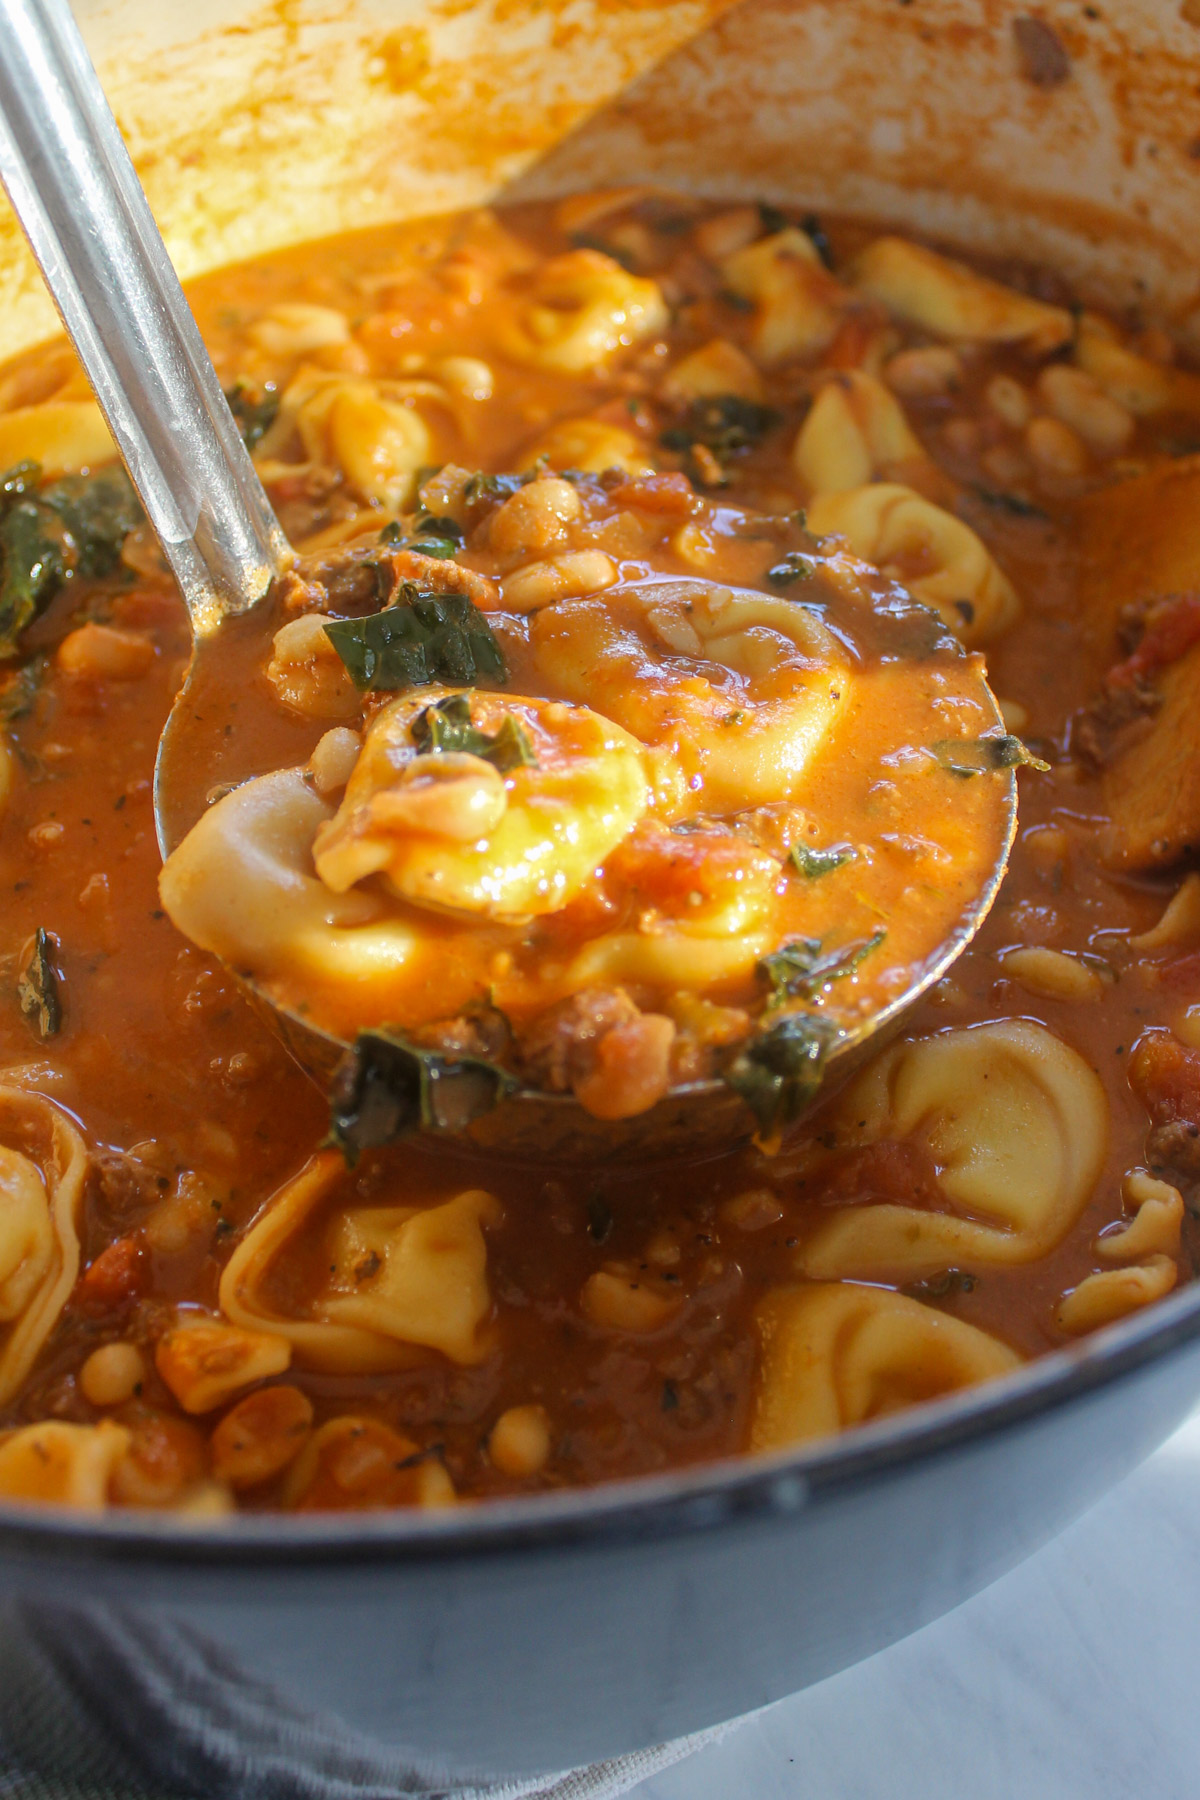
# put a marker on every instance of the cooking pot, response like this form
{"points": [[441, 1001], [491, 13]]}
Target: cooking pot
{"points": [[528, 1635]]}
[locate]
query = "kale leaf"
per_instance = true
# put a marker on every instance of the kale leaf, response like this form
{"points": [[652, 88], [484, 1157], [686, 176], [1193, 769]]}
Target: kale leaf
{"points": [[387, 1087], [799, 971], [254, 410], [984, 756], [723, 423], [75, 526], [792, 567], [815, 863], [421, 637], [780, 1070], [446, 726], [38, 987]]}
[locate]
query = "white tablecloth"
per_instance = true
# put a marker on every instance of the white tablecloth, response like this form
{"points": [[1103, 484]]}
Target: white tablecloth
{"points": [[1077, 1677]]}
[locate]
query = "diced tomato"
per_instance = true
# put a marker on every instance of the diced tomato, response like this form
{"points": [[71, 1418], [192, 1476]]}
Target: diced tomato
{"points": [[1165, 1074], [114, 1278], [1172, 627], [672, 494]]}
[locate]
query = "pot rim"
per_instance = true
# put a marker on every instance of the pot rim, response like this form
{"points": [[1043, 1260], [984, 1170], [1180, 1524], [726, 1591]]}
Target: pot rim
{"points": [[744, 1489]]}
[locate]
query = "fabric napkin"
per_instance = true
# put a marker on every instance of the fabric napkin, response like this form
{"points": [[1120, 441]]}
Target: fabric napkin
{"points": [[116, 1705]]}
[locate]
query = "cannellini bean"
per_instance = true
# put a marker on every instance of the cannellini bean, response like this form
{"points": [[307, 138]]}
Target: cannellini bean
{"points": [[1102, 1299], [1052, 974], [332, 762], [519, 1444], [1055, 448], [559, 578], [617, 1300], [469, 376], [112, 1374], [1180, 922], [205, 1363], [105, 653], [1073, 397], [753, 1210], [535, 517], [1156, 1225], [1009, 401], [261, 1435], [930, 370], [308, 674]]}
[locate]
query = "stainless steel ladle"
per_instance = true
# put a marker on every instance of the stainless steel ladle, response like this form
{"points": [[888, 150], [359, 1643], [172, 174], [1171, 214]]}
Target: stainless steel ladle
{"points": [[73, 188]]}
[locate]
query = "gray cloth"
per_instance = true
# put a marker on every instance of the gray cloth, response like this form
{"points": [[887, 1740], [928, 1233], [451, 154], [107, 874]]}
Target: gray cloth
{"points": [[116, 1705]]}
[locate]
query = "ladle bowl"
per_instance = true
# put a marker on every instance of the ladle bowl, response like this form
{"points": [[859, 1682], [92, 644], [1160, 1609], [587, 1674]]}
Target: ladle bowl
{"points": [[75, 192]]}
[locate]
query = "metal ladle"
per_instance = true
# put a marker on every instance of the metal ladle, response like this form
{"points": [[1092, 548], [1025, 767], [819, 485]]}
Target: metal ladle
{"points": [[73, 188]]}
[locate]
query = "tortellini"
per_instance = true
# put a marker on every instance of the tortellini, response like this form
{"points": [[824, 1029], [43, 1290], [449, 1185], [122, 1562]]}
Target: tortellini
{"points": [[241, 884], [43, 1162], [1112, 1294], [951, 301], [307, 673], [938, 558], [855, 433], [717, 368], [59, 1464], [835, 1355], [449, 831], [358, 1463], [581, 309], [636, 653], [798, 304], [396, 1281], [1016, 1123], [1143, 387], [1149, 1243], [592, 445], [369, 428], [63, 436]]}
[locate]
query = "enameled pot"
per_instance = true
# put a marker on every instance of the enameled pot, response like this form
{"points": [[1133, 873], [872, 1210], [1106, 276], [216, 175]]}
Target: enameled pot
{"points": [[532, 1635]]}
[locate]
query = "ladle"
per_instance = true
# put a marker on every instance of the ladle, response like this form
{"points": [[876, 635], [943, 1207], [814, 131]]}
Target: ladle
{"points": [[73, 188]]}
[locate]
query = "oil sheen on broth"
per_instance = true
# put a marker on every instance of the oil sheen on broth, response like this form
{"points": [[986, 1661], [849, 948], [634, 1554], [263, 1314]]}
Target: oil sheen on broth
{"points": [[726, 494]]}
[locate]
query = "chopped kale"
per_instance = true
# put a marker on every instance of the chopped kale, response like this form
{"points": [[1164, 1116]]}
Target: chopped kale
{"points": [[421, 637], [50, 534], [20, 689], [813, 228], [436, 527], [780, 1070], [387, 1087], [815, 863], [38, 987], [723, 424], [254, 410], [799, 971], [492, 487], [793, 567], [1015, 504], [444, 548], [941, 1285], [446, 726], [984, 756], [600, 1220], [773, 219]]}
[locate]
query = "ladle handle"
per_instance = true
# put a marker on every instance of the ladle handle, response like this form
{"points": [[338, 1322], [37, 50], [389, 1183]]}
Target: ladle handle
{"points": [[74, 190]]}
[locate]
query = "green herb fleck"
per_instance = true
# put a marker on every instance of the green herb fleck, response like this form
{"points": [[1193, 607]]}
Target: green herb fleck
{"points": [[420, 637], [793, 567], [446, 726], [984, 756], [20, 689], [941, 1285], [386, 1087], [1015, 504], [799, 971], [780, 1071], [600, 1220], [48, 535], [723, 423], [481, 486], [254, 410], [38, 988], [815, 863]]}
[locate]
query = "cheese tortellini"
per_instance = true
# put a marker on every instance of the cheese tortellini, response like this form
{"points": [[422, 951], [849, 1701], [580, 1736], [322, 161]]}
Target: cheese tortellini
{"points": [[370, 428], [938, 558], [396, 1281], [951, 301], [1016, 1123], [745, 731], [1148, 1244], [798, 304], [59, 1464], [62, 436], [592, 445], [581, 309], [449, 831], [855, 433], [43, 1162], [835, 1355]]}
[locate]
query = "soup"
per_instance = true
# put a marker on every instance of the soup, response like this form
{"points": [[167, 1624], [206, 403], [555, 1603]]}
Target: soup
{"points": [[737, 501]]}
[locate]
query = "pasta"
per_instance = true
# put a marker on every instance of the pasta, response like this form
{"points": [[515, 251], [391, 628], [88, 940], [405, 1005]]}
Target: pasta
{"points": [[835, 1355], [1017, 1123], [615, 750]]}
